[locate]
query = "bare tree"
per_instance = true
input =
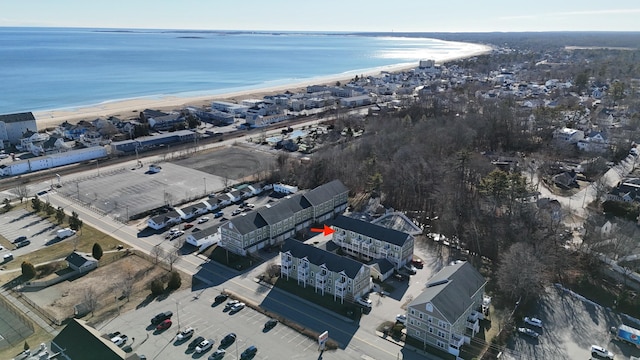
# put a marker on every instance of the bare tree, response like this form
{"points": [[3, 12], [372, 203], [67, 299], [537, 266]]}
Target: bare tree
{"points": [[158, 253], [21, 191], [172, 257], [90, 299], [521, 271]]}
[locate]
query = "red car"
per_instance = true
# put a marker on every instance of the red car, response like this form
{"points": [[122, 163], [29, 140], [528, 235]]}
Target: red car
{"points": [[417, 263], [187, 226], [164, 325]]}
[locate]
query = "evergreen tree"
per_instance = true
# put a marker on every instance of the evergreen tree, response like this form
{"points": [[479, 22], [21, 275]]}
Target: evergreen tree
{"points": [[96, 251]]}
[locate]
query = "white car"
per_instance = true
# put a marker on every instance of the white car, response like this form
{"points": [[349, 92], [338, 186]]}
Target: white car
{"points": [[237, 307], [203, 219], [185, 334], [601, 352], [401, 318], [364, 302], [528, 332], [204, 346], [119, 340], [533, 321]]}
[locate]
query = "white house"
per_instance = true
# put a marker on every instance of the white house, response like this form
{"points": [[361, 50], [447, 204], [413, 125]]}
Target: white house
{"points": [[567, 135], [204, 238], [285, 189], [81, 262], [163, 220]]}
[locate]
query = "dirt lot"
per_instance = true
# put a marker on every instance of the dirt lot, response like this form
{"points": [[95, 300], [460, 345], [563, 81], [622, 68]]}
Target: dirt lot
{"points": [[232, 162], [59, 299]]}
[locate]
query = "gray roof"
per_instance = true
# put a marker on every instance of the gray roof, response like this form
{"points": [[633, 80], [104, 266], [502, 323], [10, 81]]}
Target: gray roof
{"points": [[326, 192], [297, 203], [452, 297], [276, 213], [78, 259], [247, 223], [78, 340], [383, 265], [371, 230], [19, 117], [317, 256], [203, 233]]}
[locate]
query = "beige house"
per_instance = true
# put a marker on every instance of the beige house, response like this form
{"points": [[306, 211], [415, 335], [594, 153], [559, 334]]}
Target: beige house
{"points": [[446, 315], [325, 272], [368, 241]]}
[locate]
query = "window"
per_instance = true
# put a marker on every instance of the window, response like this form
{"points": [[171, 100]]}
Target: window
{"points": [[413, 312], [312, 273], [329, 282], [420, 315], [418, 332], [411, 322], [442, 324], [429, 319], [417, 323], [430, 330], [294, 267], [440, 344], [442, 334]]}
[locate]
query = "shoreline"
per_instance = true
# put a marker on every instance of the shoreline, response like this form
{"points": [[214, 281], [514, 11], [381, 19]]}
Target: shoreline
{"points": [[128, 108]]}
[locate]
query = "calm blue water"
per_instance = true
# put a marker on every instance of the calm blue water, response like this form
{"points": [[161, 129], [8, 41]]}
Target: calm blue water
{"points": [[53, 68]]}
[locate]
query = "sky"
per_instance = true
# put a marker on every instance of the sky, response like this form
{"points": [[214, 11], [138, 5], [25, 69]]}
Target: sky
{"points": [[328, 15]]}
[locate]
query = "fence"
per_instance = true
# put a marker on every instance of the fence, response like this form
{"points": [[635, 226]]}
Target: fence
{"points": [[43, 313]]}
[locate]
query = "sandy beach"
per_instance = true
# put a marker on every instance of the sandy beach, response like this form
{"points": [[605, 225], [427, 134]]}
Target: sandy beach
{"points": [[129, 108]]}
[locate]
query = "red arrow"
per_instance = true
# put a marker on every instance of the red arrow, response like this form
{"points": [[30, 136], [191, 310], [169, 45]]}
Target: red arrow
{"points": [[326, 230]]}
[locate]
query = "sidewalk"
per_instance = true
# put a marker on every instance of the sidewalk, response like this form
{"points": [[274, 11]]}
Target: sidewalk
{"points": [[28, 312], [424, 354]]}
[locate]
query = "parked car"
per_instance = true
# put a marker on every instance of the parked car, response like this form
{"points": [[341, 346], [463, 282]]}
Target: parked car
{"points": [[19, 239], [203, 219], [364, 302], [230, 304], [220, 298], [195, 342], [204, 346], [228, 340], [528, 332], [236, 212], [1, 247], [185, 334], [250, 206], [161, 317], [533, 321], [164, 325], [270, 324], [177, 234], [219, 214], [417, 263], [601, 352], [249, 352], [23, 243], [218, 354], [237, 307], [410, 269], [187, 226], [400, 277], [7, 257], [120, 339], [401, 318]]}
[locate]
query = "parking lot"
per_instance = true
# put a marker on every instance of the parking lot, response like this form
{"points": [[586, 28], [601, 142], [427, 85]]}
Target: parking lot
{"points": [[571, 326], [196, 310], [21, 222]]}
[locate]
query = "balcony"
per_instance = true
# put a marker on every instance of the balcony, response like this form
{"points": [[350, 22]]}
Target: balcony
{"points": [[473, 322], [456, 340], [321, 279], [340, 287], [303, 272]]}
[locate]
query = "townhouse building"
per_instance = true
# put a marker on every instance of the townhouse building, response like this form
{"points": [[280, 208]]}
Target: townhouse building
{"points": [[367, 241], [273, 224], [324, 271], [446, 314]]}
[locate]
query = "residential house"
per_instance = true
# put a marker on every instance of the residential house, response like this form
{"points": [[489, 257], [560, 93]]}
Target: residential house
{"points": [[235, 196], [565, 179], [163, 220], [325, 272], [81, 262], [12, 126], [568, 136], [627, 191], [77, 340], [285, 189], [193, 210], [446, 314], [275, 223], [368, 241], [204, 238], [596, 141]]}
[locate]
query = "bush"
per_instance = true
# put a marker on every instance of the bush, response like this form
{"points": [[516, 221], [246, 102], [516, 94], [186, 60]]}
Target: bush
{"points": [[96, 251], [174, 281], [28, 270], [157, 287]]}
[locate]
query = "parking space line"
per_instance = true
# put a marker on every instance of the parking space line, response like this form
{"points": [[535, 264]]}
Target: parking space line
{"points": [[293, 338]]}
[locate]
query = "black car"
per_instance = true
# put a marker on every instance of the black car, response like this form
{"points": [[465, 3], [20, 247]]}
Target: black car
{"points": [[19, 239], [228, 340], [270, 324], [249, 352], [23, 243], [161, 317], [195, 342], [220, 298]]}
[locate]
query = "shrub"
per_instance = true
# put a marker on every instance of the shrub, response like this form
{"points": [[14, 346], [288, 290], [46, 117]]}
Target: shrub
{"points": [[96, 251], [157, 287], [174, 281], [28, 270]]}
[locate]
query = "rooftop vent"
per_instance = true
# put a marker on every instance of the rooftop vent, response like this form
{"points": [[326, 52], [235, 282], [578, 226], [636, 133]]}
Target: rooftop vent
{"points": [[436, 283]]}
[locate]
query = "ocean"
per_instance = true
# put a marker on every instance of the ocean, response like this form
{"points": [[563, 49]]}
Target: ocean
{"points": [[62, 68]]}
